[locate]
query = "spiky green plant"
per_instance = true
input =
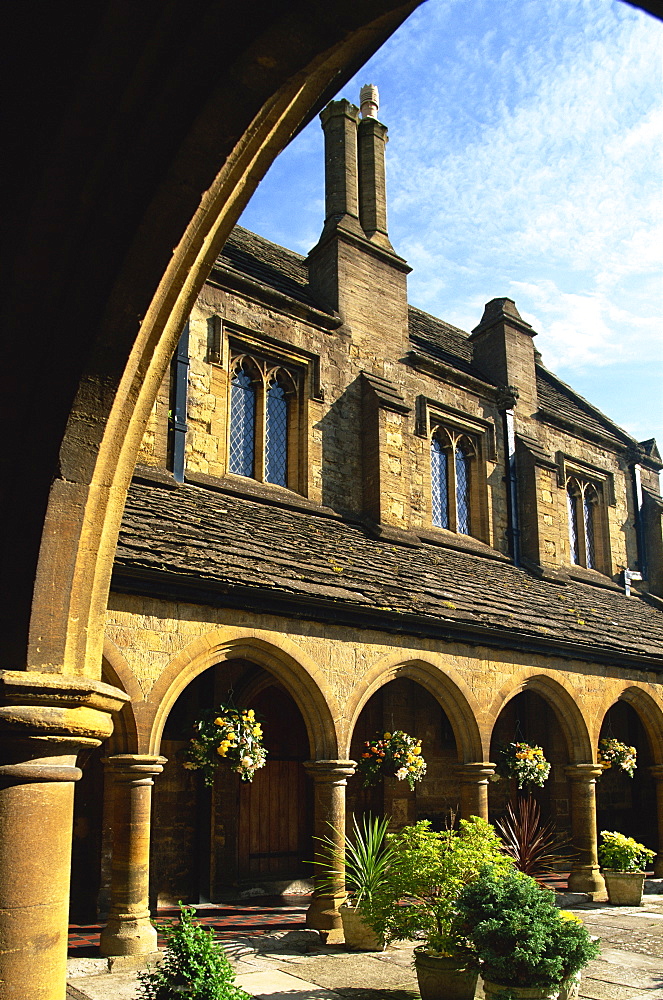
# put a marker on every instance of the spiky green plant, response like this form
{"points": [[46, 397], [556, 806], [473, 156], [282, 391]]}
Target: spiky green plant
{"points": [[365, 854], [535, 848]]}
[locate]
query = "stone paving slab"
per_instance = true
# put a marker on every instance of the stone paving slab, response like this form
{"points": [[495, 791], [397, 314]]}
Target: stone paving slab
{"points": [[118, 986], [359, 976], [274, 985]]}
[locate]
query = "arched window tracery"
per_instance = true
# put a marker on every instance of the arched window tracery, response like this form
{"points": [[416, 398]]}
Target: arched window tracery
{"points": [[583, 502], [452, 455], [261, 403]]}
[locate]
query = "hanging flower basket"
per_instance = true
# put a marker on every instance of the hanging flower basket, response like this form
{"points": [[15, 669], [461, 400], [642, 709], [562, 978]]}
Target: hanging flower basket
{"points": [[392, 755], [230, 734], [524, 762], [612, 753]]}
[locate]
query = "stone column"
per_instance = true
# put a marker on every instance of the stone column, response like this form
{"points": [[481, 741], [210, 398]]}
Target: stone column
{"points": [[45, 719], [330, 778], [474, 780], [657, 771], [585, 875], [129, 930]]}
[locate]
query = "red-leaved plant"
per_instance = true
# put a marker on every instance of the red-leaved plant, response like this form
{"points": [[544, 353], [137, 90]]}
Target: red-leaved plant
{"points": [[535, 847]]}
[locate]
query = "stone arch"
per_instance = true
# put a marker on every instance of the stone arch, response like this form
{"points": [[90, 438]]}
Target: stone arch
{"points": [[116, 671], [279, 655], [564, 703], [157, 219], [448, 688], [648, 710]]}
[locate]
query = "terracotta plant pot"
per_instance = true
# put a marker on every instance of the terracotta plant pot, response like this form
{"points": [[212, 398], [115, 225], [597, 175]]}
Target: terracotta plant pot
{"points": [[624, 888], [359, 936], [442, 978], [498, 991]]}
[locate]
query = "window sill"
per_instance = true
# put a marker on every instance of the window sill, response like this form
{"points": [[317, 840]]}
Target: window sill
{"points": [[268, 493], [462, 543]]}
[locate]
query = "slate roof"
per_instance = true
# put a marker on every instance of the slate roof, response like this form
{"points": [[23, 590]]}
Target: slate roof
{"points": [[197, 544], [559, 399], [266, 262]]}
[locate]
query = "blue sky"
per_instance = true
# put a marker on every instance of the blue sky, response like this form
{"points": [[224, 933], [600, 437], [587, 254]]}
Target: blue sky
{"points": [[524, 159]]}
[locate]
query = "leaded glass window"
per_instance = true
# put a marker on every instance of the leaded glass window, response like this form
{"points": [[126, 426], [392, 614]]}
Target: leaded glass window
{"points": [[462, 462], [242, 424], [439, 484], [589, 508], [572, 504], [276, 435], [583, 501]]}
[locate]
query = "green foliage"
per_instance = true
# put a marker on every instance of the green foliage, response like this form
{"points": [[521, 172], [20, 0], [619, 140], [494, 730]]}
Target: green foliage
{"points": [[194, 966], [518, 935], [418, 896], [623, 854], [534, 847], [367, 858]]}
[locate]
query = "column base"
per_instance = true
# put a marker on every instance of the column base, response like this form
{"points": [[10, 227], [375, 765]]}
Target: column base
{"points": [[588, 878], [128, 935], [323, 916]]}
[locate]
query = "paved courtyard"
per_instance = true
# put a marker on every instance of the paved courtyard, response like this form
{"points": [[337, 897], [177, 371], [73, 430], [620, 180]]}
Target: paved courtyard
{"points": [[291, 965]]}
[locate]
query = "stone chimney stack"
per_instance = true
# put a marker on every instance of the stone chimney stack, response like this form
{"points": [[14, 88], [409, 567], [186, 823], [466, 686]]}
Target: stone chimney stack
{"points": [[339, 124], [503, 347], [353, 268], [372, 139]]}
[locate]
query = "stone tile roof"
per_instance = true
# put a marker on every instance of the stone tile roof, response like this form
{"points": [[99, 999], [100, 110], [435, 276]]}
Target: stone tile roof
{"points": [[233, 549], [265, 262], [560, 401]]}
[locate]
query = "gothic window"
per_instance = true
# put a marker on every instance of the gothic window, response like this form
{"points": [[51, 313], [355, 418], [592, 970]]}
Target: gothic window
{"points": [[452, 475], [583, 502], [262, 412]]}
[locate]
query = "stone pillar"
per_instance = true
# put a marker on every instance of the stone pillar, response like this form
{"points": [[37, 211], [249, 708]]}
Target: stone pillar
{"points": [[585, 875], [45, 719], [474, 780], [330, 778], [657, 772], [129, 930]]}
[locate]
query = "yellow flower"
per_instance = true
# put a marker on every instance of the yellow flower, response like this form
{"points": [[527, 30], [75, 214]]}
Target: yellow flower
{"points": [[220, 721], [250, 715], [257, 730], [387, 736]]}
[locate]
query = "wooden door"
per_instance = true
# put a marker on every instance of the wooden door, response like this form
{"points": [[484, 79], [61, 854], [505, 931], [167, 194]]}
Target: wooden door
{"points": [[275, 809]]}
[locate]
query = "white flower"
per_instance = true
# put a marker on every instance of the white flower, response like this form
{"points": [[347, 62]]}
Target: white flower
{"points": [[402, 773]]}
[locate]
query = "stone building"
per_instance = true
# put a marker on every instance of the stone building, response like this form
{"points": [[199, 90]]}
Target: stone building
{"points": [[352, 516]]}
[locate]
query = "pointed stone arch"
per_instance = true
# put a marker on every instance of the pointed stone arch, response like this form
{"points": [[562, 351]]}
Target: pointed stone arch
{"points": [[562, 699], [648, 710], [442, 682], [116, 671], [279, 655]]}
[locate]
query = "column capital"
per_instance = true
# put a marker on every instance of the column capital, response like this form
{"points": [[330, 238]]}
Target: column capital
{"points": [[138, 768], [583, 772], [475, 771], [334, 771], [57, 708]]}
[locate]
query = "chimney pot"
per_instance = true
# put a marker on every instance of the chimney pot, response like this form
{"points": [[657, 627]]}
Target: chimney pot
{"points": [[369, 101]]}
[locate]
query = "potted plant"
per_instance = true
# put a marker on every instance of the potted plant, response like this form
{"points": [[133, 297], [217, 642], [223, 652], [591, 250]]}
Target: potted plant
{"points": [[612, 753], [226, 733], [392, 755], [417, 900], [366, 858], [524, 947], [524, 762], [623, 862]]}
